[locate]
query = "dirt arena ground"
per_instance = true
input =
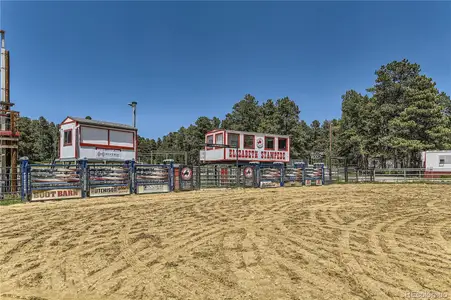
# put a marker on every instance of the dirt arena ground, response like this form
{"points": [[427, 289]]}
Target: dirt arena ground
{"points": [[333, 242]]}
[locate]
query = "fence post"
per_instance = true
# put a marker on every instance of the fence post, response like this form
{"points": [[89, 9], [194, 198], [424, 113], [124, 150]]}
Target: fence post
{"points": [[257, 175], [24, 173], [170, 164], [323, 176], [132, 176], [405, 175], [238, 176], [282, 175], [83, 164], [346, 170], [303, 173], [171, 177], [198, 176]]}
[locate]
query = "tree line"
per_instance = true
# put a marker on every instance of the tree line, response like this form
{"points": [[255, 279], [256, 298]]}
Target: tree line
{"points": [[38, 139], [402, 114]]}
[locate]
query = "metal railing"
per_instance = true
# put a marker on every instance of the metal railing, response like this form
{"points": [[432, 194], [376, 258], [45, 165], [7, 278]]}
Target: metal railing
{"points": [[354, 174], [10, 184], [219, 176], [409, 175]]}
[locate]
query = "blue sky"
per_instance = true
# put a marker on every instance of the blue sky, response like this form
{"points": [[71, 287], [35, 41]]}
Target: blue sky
{"points": [[182, 60]]}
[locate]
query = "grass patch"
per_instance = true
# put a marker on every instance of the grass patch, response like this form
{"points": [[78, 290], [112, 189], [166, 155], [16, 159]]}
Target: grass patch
{"points": [[10, 202]]}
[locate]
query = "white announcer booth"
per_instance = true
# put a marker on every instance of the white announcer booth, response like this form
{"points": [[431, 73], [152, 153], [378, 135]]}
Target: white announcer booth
{"points": [[96, 140]]}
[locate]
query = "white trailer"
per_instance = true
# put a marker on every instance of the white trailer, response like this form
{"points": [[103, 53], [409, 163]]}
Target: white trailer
{"points": [[437, 162]]}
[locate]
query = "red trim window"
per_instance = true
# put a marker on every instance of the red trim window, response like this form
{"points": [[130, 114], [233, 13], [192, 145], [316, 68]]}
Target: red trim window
{"points": [[209, 140], [234, 140], [219, 138], [282, 144], [269, 143], [249, 141], [67, 137]]}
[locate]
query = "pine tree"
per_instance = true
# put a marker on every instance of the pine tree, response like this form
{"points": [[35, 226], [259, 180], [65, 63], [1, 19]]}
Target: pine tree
{"points": [[422, 125]]}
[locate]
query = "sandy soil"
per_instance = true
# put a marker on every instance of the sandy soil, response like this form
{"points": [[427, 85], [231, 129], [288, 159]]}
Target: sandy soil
{"points": [[333, 242]]}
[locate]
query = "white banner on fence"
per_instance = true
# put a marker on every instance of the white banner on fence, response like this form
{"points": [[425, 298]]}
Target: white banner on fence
{"points": [[109, 191], [269, 184], [153, 188], [55, 194]]}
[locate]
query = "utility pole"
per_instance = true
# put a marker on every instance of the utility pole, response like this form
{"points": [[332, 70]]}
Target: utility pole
{"points": [[330, 151], [133, 105]]}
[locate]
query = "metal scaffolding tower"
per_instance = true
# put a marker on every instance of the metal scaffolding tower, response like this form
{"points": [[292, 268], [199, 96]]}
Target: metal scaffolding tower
{"points": [[9, 135]]}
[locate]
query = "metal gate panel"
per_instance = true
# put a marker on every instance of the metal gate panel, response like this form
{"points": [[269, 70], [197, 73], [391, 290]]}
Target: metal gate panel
{"points": [[186, 178], [109, 180], [152, 179], [57, 181], [220, 176], [293, 176], [314, 174], [249, 176], [270, 177]]}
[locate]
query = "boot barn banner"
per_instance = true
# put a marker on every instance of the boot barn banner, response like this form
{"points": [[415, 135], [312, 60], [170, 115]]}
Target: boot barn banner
{"points": [[260, 155], [39, 195]]}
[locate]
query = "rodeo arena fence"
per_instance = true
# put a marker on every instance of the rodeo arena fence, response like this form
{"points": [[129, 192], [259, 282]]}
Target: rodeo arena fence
{"points": [[40, 182]]}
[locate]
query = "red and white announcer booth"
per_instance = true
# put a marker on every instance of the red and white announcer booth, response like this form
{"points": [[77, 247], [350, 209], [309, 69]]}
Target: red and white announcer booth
{"points": [[252, 147], [96, 140]]}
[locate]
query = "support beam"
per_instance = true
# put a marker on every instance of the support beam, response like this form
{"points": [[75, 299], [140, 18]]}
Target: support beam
{"points": [[14, 170]]}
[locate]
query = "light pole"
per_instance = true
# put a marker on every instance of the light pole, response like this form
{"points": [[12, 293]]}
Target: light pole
{"points": [[133, 105]]}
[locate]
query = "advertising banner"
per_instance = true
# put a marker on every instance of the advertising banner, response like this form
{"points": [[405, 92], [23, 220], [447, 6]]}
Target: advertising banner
{"points": [[39, 195], [109, 191], [269, 184], [107, 153], [153, 188]]}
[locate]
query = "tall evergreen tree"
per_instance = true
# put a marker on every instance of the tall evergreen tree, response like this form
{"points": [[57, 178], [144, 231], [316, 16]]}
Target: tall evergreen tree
{"points": [[422, 125], [245, 115], [268, 122]]}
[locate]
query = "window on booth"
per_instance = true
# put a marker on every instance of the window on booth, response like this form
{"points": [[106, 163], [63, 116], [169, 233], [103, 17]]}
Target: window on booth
{"points": [[269, 143], [249, 141], [444, 160], [209, 141], [220, 139], [234, 139], [68, 137], [282, 144]]}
